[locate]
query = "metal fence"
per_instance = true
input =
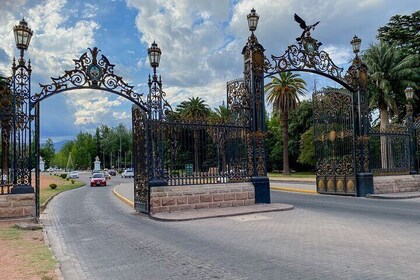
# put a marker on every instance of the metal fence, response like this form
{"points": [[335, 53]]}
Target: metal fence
{"points": [[390, 150], [205, 153]]}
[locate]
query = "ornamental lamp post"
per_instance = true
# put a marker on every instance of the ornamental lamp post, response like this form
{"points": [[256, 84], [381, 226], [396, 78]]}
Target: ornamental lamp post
{"points": [[154, 53], [355, 43], [22, 128], [253, 53], [155, 104], [252, 18], [23, 35], [409, 94]]}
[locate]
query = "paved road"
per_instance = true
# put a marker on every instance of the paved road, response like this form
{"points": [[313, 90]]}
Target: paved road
{"points": [[96, 236]]}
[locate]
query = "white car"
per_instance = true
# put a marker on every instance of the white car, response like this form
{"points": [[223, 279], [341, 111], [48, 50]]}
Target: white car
{"points": [[127, 174], [74, 175]]}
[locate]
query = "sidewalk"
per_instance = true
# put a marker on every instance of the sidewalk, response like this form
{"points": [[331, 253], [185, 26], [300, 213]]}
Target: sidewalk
{"points": [[125, 193]]}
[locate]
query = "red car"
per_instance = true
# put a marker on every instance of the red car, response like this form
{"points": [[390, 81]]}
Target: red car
{"points": [[97, 179]]}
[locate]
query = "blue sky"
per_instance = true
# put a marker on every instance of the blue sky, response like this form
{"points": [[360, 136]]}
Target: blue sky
{"points": [[201, 42]]}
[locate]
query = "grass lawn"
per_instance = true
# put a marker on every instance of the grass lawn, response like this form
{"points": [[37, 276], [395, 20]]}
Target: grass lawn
{"points": [[309, 175], [62, 185]]}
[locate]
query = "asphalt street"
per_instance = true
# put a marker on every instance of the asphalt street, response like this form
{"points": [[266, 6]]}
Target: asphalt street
{"points": [[96, 236]]}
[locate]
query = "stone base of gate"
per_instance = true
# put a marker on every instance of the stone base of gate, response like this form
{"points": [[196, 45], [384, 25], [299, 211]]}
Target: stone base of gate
{"points": [[17, 206], [183, 198], [395, 184]]}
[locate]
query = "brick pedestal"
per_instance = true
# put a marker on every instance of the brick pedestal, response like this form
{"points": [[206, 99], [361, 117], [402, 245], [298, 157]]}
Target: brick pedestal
{"points": [[17, 206], [181, 198]]}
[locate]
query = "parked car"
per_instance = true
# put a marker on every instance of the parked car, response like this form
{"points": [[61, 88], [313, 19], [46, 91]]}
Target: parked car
{"points": [[107, 175], [112, 172], [97, 179], [128, 173], [74, 175]]}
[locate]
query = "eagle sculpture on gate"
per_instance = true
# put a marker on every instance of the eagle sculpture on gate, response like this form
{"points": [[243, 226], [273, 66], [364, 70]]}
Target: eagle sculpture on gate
{"points": [[303, 25]]}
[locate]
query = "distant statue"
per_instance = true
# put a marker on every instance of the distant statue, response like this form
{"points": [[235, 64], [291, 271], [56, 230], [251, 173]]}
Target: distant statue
{"points": [[303, 25], [40, 159], [97, 158]]}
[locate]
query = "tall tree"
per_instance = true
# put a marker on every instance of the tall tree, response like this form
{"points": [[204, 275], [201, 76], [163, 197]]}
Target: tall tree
{"points": [[402, 31], [194, 109], [283, 92], [390, 71], [47, 151]]}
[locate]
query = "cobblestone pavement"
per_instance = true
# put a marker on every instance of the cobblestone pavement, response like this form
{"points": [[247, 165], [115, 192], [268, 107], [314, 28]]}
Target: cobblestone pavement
{"points": [[96, 236]]}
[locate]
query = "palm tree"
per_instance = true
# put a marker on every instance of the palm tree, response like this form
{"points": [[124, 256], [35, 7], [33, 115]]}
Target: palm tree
{"points": [[390, 71], [283, 92], [194, 110], [5, 123]]}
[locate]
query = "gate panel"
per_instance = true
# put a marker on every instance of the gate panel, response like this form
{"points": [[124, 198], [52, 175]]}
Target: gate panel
{"points": [[334, 142], [141, 180]]}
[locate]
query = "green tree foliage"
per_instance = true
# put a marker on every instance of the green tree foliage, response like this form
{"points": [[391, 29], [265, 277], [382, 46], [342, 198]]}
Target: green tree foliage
{"points": [[283, 92], [273, 144], [300, 121], [307, 146], [194, 109], [390, 71], [47, 151], [84, 148], [402, 31]]}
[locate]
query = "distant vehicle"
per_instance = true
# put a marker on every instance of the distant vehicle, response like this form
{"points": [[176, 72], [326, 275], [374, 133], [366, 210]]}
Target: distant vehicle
{"points": [[107, 175], [128, 173], [74, 175], [112, 172], [97, 179]]}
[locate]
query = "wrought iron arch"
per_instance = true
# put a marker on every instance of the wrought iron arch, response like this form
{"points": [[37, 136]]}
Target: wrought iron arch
{"points": [[335, 79], [90, 73], [307, 57]]}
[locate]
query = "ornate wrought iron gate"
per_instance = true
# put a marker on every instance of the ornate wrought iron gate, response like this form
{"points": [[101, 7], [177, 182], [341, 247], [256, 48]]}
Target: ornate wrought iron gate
{"points": [[334, 136], [141, 179]]}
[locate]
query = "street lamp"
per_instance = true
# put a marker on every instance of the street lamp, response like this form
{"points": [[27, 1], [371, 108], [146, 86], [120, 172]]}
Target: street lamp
{"points": [[252, 20], [355, 43], [23, 35], [154, 53], [409, 94], [21, 157]]}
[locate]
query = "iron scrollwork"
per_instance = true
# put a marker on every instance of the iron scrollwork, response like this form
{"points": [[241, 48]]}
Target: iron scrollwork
{"points": [[305, 56], [90, 72]]}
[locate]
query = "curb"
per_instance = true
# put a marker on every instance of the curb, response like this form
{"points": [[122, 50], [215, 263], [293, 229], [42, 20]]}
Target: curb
{"points": [[293, 190], [286, 207], [378, 196], [122, 198]]}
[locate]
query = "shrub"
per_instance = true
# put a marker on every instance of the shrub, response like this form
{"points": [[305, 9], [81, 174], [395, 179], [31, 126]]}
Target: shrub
{"points": [[72, 181], [67, 179], [53, 186], [64, 175]]}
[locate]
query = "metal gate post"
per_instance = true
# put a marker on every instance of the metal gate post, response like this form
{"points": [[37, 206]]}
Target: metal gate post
{"points": [[253, 53], [358, 79]]}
